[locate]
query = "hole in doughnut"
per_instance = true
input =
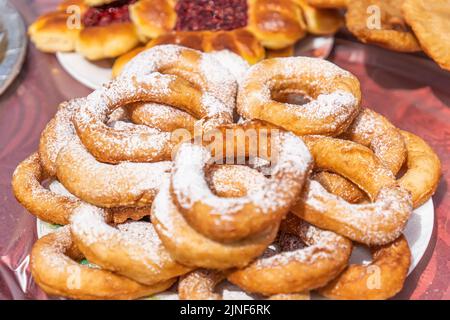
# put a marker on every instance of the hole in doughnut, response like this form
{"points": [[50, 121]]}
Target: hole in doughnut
{"points": [[296, 97]]}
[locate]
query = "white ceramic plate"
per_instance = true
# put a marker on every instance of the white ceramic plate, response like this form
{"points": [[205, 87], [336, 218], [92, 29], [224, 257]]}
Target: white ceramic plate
{"points": [[418, 233], [91, 74]]}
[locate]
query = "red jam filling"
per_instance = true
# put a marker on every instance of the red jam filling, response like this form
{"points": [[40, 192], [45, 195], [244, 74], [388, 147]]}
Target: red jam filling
{"points": [[107, 14], [196, 15]]}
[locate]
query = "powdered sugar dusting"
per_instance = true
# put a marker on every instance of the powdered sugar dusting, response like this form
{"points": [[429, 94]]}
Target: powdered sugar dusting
{"points": [[190, 186], [378, 222]]}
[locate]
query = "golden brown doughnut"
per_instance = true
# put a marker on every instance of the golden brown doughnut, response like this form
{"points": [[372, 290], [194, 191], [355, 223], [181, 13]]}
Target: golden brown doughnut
{"points": [[105, 185], [340, 186], [377, 133], [376, 223], [191, 248], [384, 25], [302, 269], [423, 169], [374, 131], [334, 95], [39, 201], [191, 84], [162, 117], [132, 249], [55, 204], [381, 279], [232, 219], [56, 135], [200, 285], [55, 269]]}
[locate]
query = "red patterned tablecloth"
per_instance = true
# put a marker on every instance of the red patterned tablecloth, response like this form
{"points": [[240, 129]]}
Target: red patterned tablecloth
{"points": [[409, 89]]}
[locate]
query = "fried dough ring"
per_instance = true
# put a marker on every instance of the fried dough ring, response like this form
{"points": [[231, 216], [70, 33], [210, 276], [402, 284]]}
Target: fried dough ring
{"points": [[335, 95], [231, 219], [200, 284], [55, 204], [205, 96], [393, 34], [423, 169], [55, 271], [43, 203], [132, 249], [325, 256], [433, 40], [381, 279], [340, 186], [105, 185], [375, 223], [374, 131], [190, 247], [377, 133], [162, 117]]}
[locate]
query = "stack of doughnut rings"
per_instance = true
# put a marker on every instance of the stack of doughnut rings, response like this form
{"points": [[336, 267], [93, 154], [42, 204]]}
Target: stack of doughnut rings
{"points": [[151, 181]]}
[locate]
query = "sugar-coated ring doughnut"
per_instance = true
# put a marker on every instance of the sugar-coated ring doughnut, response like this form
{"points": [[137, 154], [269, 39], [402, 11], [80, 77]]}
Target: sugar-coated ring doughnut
{"points": [[56, 134], [200, 284], [202, 70], [56, 271], [377, 133], [381, 279], [162, 117], [340, 186], [200, 96], [107, 185], [376, 223], [423, 169], [231, 219], [55, 204], [132, 249], [191, 248], [304, 269], [334, 95], [39, 201]]}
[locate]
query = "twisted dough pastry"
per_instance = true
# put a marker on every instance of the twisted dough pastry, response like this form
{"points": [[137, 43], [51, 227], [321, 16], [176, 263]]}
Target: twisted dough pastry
{"points": [[232, 219], [56, 204], [423, 169], [379, 222], [200, 86], [381, 279], [132, 249], [191, 248], [303, 269], [374, 131], [334, 95], [55, 269]]}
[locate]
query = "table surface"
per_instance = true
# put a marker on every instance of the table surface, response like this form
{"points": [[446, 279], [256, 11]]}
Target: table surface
{"points": [[409, 89]]}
